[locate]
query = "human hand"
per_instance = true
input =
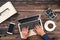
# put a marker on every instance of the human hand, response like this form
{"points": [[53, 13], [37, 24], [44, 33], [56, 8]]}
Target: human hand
{"points": [[39, 30], [25, 33]]}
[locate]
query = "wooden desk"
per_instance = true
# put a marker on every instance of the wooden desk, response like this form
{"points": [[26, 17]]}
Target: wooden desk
{"points": [[27, 11]]}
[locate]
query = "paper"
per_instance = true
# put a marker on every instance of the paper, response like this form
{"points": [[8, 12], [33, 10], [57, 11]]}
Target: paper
{"points": [[6, 11]]}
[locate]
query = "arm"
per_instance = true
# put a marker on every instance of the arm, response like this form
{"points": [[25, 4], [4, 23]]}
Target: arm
{"points": [[23, 39], [41, 32], [45, 37]]}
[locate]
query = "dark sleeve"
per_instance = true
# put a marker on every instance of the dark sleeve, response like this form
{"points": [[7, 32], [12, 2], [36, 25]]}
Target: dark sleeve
{"points": [[45, 37], [23, 39]]}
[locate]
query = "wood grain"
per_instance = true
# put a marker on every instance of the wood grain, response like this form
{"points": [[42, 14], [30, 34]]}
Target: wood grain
{"points": [[27, 8]]}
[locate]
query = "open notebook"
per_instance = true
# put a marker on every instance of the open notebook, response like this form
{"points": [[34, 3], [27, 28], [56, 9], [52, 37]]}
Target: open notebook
{"points": [[29, 22]]}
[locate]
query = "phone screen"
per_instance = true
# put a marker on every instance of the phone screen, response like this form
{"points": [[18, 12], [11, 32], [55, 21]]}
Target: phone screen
{"points": [[10, 29]]}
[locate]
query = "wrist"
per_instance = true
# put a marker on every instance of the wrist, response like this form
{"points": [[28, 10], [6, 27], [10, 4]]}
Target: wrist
{"points": [[24, 37], [41, 34]]}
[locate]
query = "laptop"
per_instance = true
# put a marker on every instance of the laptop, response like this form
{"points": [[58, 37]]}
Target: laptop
{"points": [[29, 23]]}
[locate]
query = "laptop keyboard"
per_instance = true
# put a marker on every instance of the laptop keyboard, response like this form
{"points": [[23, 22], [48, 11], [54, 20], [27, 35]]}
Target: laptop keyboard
{"points": [[30, 24]]}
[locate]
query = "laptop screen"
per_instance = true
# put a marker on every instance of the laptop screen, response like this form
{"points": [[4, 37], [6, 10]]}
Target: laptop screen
{"points": [[28, 19]]}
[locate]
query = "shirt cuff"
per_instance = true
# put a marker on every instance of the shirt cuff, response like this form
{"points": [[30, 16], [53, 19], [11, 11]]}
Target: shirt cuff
{"points": [[45, 37]]}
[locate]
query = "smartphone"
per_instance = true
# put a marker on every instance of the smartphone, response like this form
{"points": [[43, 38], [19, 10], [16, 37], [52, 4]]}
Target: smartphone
{"points": [[11, 27], [50, 13]]}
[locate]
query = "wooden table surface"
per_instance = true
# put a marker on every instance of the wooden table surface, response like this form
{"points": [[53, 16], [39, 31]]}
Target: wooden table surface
{"points": [[27, 10]]}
